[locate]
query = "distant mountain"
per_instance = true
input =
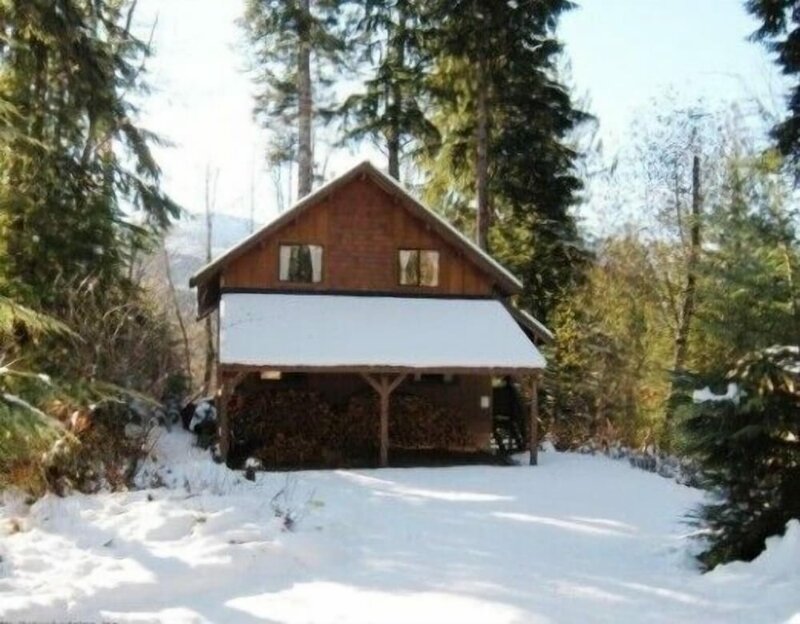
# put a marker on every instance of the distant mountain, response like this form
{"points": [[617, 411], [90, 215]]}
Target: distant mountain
{"points": [[186, 242]]}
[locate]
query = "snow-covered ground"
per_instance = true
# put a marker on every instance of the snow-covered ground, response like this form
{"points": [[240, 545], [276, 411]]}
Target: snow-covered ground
{"points": [[577, 539]]}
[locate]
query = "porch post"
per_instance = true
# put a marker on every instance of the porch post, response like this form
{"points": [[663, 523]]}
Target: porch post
{"points": [[533, 429], [383, 393], [384, 386], [225, 392], [224, 421]]}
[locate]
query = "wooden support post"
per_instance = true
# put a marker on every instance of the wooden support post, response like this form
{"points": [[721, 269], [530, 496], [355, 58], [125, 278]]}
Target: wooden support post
{"points": [[384, 386], [226, 390], [533, 429], [384, 400], [223, 396]]}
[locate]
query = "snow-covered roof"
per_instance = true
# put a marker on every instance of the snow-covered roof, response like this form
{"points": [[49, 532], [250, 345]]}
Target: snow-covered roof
{"points": [[507, 279], [305, 331]]}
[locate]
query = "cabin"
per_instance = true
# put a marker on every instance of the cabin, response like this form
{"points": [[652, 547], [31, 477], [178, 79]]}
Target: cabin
{"points": [[361, 301]]}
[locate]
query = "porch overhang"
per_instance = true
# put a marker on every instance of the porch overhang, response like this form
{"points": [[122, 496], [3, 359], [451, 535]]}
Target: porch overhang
{"points": [[372, 334]]}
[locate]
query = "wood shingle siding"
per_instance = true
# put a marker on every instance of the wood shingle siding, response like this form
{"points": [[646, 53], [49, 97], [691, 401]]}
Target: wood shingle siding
{"points": [[361, 231]]}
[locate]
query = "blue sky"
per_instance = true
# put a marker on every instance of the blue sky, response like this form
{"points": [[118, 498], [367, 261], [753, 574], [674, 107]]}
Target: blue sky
{"points": [[627, 53], [624, 55]]}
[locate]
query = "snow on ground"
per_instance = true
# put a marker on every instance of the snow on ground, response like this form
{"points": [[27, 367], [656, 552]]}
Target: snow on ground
{"points": [[577, 539]]}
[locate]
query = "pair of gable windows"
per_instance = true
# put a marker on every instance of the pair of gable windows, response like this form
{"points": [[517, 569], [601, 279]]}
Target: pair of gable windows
{"points": [[303, 263]]}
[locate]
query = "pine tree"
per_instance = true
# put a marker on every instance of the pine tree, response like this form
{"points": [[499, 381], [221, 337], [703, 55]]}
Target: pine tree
{"points": [[294, 45], [73, 162], [506, 124], [749, 272], [388, 40], [780, 30], [749, 451]]}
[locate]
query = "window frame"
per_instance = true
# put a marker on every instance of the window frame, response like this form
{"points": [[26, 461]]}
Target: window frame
{"points": [[419, 251], [283, 244]]}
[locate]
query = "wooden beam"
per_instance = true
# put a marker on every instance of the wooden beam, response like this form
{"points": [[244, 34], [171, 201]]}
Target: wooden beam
{"points": [[384, 386], [533, 429], [373, 370], [384, 400], [396, 382], [376, 385], [225, 392]]}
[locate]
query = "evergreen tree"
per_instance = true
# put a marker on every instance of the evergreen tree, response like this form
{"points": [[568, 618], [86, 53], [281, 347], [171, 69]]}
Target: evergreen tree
{"points": [[389, 40], [506, 122], [780, 30], [72, 162], [750, 270], [749, 451], [294, 44]]}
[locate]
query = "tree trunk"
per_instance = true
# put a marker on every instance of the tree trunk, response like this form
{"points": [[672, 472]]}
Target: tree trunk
{"points": [[208, 371], [482, 157], [396, 104], [187, 351], [305, 155], [690, 289]]}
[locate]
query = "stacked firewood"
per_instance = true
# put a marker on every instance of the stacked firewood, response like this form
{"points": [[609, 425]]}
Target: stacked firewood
{"points": [[284, 427], [414, 423], [293, 428]]}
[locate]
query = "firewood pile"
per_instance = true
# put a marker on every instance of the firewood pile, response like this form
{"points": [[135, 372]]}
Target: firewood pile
{"points": [[292, 428], [414, 423], [284, 427]]}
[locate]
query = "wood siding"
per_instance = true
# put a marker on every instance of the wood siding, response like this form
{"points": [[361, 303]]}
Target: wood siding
{"points": [[361, 228]]}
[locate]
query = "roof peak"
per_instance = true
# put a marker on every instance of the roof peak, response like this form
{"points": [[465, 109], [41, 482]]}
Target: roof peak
{"points": [[390, 185]]}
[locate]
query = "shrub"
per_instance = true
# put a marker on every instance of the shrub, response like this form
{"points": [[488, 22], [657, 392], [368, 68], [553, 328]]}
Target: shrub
{"points": [[50, 439]]}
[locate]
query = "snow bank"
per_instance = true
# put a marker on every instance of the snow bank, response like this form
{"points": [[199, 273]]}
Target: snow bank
{"points": [[175, 462], [576, 539], [781, 558], [779, 561], [772, 579]]}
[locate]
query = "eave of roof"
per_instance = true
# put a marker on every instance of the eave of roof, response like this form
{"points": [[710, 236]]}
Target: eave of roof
{"points": [[530, 323], [504, 277]]}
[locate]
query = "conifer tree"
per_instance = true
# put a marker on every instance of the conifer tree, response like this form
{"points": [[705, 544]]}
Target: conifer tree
{"points": [[750, 269], [293, 46], [506, 124], [748, 449], [780, 30], [388, 39], [72, 161]]}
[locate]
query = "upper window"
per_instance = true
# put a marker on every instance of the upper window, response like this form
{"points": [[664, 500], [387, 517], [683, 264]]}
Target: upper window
{"points": [[301, 263], [419, 267]]}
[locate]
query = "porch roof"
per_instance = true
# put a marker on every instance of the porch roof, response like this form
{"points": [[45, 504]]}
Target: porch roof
{"points": [[372, 333]]}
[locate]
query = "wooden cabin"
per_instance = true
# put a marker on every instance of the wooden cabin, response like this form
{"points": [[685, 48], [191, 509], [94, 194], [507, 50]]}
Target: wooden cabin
{"points": [[360, 288]]}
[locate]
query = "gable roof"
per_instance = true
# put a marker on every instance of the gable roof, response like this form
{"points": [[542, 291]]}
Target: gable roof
{"points": [[504, 278]]}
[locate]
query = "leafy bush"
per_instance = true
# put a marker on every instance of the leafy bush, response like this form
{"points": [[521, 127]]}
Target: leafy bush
{"points": [[103, 452], [76, 430]]}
